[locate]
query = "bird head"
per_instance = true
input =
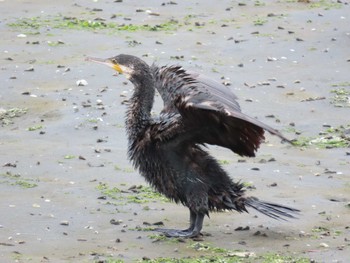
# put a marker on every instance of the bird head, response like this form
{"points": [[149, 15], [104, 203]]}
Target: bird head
{"points": [[130, 66]]}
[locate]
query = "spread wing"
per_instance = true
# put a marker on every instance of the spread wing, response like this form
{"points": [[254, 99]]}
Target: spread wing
{"points": [[209, 111]]}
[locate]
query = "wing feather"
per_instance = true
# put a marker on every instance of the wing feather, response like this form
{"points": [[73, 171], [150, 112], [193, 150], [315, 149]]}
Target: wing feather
{"points": [[209, 110]]}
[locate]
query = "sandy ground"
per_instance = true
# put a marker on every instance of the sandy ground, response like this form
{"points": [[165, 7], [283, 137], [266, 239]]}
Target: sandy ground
{"points": [[54, 157]]}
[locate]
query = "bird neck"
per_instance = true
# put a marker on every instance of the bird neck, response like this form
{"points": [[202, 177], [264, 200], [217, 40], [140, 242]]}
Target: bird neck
{"points": [[141, 102]]}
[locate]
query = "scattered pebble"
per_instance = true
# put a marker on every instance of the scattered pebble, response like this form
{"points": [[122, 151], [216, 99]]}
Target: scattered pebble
{"points": [[159, 223], [271, 59], [240, 228], [149, 12], [30, 69], [258, 233], [6, 244], [81, 82], [242, 254], [169, 3], [9, 165], [116, 222], [198, 239], [314, 99], [226, 83], [64, 223]]}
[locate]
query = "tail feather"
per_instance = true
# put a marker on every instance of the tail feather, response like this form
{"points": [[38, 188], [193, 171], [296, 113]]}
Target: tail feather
{"points": [[276, 211]]}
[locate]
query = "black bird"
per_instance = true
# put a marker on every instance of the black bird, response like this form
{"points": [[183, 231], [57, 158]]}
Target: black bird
{"points": [[167, 149]]}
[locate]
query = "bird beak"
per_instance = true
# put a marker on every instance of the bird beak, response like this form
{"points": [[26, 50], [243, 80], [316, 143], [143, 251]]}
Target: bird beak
{"points": [[108, 62]]}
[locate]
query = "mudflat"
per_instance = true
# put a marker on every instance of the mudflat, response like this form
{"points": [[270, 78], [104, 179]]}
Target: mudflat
{"points": [[68, 192]]}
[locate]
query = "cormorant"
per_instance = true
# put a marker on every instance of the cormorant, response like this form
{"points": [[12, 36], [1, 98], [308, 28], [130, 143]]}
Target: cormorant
{"points": [[167, 149]]}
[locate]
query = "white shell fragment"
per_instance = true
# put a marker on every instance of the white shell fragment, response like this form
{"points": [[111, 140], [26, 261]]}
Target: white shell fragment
{"points": [[81, 82]]}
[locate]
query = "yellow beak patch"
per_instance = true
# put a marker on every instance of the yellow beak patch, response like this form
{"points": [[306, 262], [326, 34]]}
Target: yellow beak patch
{"points": [[117, 68]]}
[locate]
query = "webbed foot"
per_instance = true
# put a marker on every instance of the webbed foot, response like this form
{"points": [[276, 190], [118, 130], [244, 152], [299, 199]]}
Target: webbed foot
{"points": [[187, 233], [194, 230]]}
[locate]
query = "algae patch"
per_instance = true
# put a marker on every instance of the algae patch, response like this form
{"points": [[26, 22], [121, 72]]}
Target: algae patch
{"points": [[341, 96], [259, 22], [63, 22], [7, 116], [338, 137], [209, 253], [17, 180], [325, 4], [35, 128], [135, 194], [273, 257]]}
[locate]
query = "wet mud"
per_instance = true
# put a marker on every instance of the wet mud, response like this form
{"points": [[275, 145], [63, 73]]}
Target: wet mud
{"points": [[68, 192]]}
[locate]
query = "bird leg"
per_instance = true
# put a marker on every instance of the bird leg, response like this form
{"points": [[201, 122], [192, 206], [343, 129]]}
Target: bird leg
{"points": [[196, 223]]}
